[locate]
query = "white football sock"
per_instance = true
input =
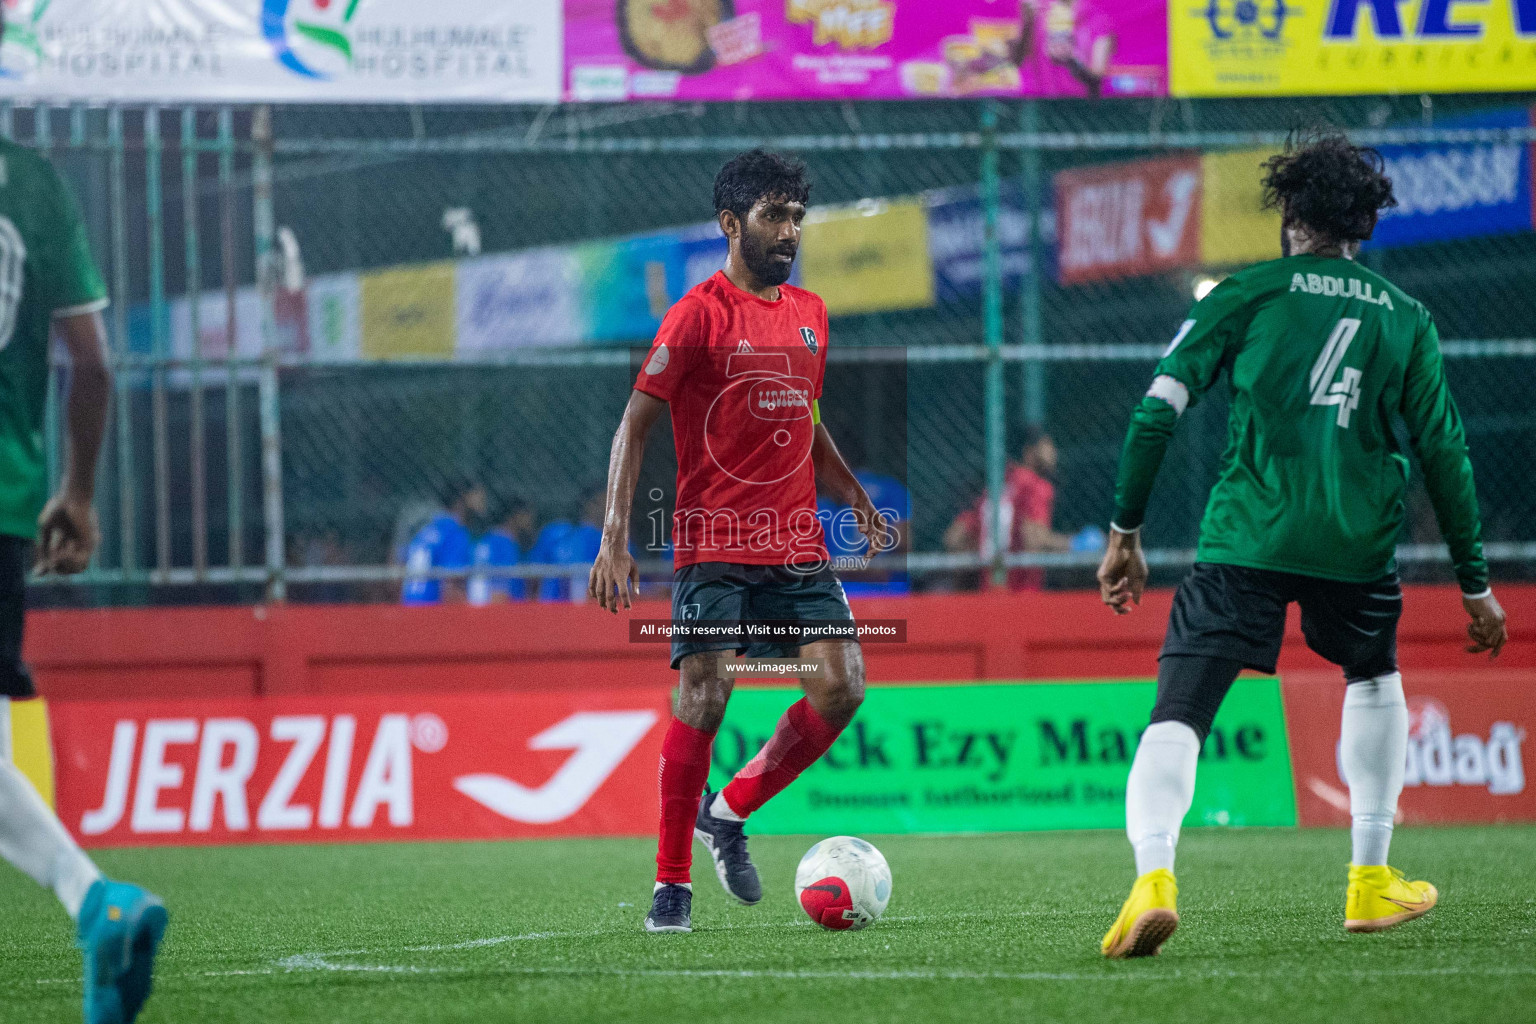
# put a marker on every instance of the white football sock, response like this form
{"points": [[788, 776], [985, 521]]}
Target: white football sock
{"points": [[722, 810], [1159, 792], [1373, 750], [32, 838]]}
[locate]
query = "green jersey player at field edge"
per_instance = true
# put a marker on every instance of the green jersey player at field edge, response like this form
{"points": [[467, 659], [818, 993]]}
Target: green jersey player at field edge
{"points": [[49, 286], [1324, 357]]}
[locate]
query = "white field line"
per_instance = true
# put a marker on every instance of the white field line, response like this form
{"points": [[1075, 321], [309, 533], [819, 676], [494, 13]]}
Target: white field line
{"points": [[329, 962], [313, 963]]}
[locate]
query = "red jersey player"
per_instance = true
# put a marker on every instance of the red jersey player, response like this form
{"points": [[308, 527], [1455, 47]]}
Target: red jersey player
{"points": [[740, 360]]}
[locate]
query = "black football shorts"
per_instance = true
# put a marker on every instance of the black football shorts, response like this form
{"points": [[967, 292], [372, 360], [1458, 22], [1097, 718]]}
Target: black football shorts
{"points": [[1238, 613], [731, 592], [15, 555]]}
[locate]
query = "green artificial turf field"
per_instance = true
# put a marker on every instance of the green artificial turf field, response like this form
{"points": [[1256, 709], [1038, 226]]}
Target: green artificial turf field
{"points": [[980, 928]]}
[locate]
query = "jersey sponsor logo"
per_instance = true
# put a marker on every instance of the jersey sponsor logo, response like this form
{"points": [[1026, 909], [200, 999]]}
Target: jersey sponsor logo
{"points": [[809, 337], [1340, 287], [659, 360]]}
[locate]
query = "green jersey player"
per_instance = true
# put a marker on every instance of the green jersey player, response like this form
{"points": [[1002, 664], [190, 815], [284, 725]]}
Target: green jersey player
{"points": [[1324, 357], [49, 287]]}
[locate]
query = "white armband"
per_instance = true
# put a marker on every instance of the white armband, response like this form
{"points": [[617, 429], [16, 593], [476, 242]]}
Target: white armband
{"points": [[1170, 390]]}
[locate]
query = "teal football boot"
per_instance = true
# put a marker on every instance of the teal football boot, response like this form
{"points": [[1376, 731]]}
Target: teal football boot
{"points": [[120, 929]]}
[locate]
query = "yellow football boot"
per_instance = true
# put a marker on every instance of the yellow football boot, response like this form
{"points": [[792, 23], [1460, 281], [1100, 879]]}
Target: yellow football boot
{"points": [[1380, 898], [1149, 916]]}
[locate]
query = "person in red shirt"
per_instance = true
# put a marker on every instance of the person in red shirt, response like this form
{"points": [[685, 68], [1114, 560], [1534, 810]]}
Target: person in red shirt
{"points": [[1024, 514], [740, 361]]}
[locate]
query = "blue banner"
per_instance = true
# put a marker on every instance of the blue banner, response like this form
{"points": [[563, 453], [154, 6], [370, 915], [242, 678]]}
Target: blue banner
{"points": [[956, 230], [1459, 190]]}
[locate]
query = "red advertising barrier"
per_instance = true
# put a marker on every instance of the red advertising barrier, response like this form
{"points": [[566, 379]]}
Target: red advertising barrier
{"points": [[310, 650], [1467, 748], [1119, 220], [350, 768]]}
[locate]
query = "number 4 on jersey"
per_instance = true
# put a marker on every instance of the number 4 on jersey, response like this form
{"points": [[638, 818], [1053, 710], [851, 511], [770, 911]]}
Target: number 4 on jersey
{"points": [[1344, 392]]}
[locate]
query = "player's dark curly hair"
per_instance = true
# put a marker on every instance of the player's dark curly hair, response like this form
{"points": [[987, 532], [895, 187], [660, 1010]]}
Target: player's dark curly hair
{"points": [[757, 174], [1329, 186]]}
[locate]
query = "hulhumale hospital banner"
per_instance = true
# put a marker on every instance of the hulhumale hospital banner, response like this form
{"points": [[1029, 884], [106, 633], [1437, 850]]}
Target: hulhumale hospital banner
{"points": [[863, 49], [325, 51]]}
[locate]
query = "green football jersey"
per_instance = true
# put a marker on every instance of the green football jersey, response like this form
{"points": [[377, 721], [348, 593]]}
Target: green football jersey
{"points": [[45, 272], [1324, 357]]}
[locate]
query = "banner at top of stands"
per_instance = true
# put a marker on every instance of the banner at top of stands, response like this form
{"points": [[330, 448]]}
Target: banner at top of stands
{"points": [[282, 51], [1351, 47], [545, 51], [542, 51], [863, 49]]}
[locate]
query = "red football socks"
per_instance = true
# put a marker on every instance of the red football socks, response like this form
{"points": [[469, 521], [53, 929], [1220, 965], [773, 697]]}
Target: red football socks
{"points": [[684, 772], [800, 738]]}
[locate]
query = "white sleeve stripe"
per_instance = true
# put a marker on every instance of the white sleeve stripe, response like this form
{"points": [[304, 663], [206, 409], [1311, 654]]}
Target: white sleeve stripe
{"points": [[1171, 391], [94, 306]]}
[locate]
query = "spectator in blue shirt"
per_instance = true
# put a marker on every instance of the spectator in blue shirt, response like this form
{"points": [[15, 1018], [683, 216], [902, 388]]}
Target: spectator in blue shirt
{"points": [[445, 542], [571, 545], [501, 546]]}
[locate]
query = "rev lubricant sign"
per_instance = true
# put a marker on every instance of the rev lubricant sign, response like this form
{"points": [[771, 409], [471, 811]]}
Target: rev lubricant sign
{"points": [[1008, 756]]}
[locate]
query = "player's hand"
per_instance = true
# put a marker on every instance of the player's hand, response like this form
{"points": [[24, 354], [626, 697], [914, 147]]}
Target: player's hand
{"points": [[614, 580], [1486, 629], [874, 527], [1123, 572], [66, 535]]}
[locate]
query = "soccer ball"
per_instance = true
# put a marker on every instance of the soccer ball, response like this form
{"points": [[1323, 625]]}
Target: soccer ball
{"points": [[843, 883]]}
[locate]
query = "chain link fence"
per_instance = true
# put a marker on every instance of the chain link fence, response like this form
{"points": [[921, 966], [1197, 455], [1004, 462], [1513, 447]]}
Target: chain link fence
{"points": [[243, 465]]}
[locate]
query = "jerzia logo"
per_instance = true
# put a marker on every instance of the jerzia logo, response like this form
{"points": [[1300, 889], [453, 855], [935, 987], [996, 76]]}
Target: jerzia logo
{"points": [[809, 337]]}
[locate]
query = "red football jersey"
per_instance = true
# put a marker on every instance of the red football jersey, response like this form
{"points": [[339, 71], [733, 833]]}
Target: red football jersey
{"points": [[740, 374]]}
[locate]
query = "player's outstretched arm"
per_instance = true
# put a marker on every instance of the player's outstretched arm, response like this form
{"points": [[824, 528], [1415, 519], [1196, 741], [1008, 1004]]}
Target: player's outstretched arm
{"points": [[835, 478], [1440, 441], [67, 532], [614, 579]]}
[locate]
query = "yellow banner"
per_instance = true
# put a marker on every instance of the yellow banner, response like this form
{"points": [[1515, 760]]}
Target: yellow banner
{"points": [[869, 258], [1349, 47], [31, 750], [408, 312], [1234, 226]]}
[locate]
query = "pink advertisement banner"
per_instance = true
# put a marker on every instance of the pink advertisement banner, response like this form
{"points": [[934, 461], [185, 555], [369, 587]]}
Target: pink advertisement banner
{"points": [[618, 50]]}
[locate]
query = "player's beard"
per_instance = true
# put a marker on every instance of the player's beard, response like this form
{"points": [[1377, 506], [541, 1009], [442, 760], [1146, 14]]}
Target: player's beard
{"points": [[759, 260]]}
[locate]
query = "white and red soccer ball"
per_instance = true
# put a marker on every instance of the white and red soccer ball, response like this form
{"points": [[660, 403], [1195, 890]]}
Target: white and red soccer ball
{"points": [[843, 883]]}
